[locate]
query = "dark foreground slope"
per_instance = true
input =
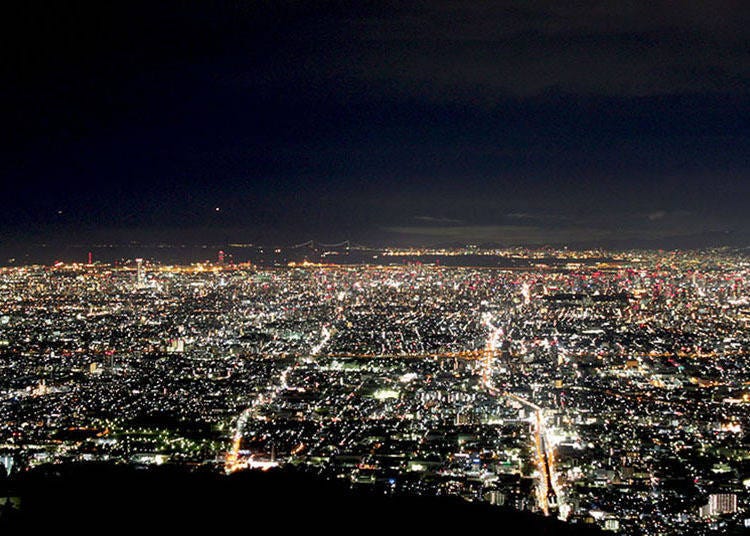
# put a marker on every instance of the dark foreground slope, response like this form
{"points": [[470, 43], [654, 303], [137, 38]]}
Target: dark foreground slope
{"points": [[94, 499]]}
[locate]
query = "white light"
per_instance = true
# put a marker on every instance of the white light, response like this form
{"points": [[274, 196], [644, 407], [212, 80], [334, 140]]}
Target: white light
{"points": [[383, 394]]}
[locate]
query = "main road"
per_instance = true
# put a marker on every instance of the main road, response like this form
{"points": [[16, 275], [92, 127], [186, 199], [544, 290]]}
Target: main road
{"points": [[546, 494]]}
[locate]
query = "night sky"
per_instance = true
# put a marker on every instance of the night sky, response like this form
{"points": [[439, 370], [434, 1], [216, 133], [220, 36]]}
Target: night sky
{"points": [[609, 123]]}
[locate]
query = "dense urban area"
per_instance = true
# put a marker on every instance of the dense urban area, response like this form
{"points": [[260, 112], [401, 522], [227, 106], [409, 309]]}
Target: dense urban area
{"points": [[604, 388]]}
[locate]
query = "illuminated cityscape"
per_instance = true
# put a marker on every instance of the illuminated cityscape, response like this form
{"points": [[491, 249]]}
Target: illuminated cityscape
{"points": [[607, 389], [375, 267]]}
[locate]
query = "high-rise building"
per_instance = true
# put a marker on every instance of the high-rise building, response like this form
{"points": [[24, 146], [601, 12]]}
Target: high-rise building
{"points": [[526, 293], [723, 503], [720, 503], [612, 524], [140, 280], [6, 461], [176, 345]]}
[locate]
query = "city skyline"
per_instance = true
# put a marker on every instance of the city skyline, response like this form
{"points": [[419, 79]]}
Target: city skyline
{"points": [[606, 390]]}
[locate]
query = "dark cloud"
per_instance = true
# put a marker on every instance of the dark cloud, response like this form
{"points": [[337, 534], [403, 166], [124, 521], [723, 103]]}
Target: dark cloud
{"points": [[657, 215], [499, 234], [513, 235], [432, 219], [461, 50], [486, 119]]}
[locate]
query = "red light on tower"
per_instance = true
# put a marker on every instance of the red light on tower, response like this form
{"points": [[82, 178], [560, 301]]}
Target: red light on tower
{"points": [[91, 258], [221, 256]]}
